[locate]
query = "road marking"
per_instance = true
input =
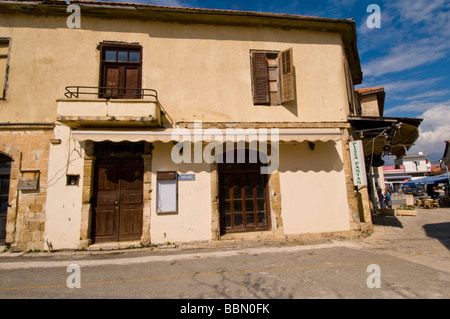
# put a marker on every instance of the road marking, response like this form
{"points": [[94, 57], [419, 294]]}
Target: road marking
{"points": [[146, 259], [135, 260], [234, 272]]}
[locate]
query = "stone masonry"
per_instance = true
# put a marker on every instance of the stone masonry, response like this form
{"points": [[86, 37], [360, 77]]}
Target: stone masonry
{"points": [[28, 147]]}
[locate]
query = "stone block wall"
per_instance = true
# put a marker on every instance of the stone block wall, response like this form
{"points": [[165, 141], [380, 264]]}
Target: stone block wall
{"points": [[29, 150]]}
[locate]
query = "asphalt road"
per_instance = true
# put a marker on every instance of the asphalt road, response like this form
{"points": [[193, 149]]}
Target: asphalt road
{"points": [[407, 257]]}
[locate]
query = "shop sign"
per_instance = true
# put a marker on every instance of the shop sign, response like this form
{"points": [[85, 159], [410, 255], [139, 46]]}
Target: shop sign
{"points": [[358, 165], [186, 177]]}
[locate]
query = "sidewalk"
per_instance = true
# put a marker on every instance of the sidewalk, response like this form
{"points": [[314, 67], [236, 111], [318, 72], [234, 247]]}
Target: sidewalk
{"points": [[396, 235], [424, 239]]}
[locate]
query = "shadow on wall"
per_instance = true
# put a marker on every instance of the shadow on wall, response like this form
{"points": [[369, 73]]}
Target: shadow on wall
{"points": [[296, 157], [292, 157], [440, 231]]}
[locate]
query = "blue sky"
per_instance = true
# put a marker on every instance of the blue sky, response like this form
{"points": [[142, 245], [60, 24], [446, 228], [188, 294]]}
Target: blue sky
{"points": [[408, 55]]}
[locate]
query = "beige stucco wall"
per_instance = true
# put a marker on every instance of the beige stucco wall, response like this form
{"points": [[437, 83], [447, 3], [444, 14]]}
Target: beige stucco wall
{"points": [[369, 105], [193, 220], [200, 71], [306, 178], [313, 189], [63, 207]]}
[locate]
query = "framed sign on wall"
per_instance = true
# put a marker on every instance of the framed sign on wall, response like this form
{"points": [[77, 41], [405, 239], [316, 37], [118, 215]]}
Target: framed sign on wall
{"points": [[166, 192]]}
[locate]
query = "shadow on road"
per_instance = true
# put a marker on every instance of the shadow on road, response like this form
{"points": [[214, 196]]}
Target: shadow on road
{"points": [[386, 220], [439, 231]]}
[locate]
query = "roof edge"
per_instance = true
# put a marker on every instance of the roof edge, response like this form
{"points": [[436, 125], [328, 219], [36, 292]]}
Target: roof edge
{"points": [[345, 27]]}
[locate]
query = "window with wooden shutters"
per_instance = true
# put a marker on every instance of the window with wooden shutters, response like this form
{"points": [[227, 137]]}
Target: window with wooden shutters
{"points": [[260, 78], [121, 71], [287, 76], [272, 77]]}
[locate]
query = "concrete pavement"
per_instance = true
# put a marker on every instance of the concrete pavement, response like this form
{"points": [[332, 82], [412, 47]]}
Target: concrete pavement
{"points": [[412, 251], [424, 238]]}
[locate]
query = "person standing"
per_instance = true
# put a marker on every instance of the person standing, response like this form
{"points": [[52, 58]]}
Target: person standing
{"points": [[387, 196], [381, 199]]}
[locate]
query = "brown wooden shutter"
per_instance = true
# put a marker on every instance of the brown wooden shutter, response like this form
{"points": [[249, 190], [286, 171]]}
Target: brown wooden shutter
{"points": [[260, 78], [111, 80], [132, 82], [287, 76]]}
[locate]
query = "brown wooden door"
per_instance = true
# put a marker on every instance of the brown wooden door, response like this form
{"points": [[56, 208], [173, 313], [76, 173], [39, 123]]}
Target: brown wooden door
{"points": [[4, 193], [118, 201], [243, 201], [5, 169]]}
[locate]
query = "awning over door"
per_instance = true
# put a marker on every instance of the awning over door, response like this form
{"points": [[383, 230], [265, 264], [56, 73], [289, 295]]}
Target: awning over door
{"points": [[386, 135], [208, 135]]}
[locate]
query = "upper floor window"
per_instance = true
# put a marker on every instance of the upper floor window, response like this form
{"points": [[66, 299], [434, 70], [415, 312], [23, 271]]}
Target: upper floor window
{"points": [[4, 54], [272, 77], [121, 71]]}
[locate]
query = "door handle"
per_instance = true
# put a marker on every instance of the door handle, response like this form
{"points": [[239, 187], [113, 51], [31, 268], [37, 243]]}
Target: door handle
{"points": [[116, 203]]}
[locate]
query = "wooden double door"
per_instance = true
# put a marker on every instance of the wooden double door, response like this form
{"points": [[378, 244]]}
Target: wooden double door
{"points": [[118, 200]]}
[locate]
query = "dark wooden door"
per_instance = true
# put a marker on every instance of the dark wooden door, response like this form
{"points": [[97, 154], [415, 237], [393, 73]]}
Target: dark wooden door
{"points": [[118, 201], [4, 193], [5, 169], [243, 201]]}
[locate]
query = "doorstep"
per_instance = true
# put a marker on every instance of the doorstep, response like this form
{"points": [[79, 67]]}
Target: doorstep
{"points": [[115, 245]]}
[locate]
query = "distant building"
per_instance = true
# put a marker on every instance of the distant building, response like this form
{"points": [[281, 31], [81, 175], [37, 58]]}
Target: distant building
{"points": [[395, 176], [416, 166]]}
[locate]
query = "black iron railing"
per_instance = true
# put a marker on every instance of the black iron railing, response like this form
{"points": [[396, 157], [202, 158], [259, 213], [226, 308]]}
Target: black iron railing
{"points": [[109, 93]]}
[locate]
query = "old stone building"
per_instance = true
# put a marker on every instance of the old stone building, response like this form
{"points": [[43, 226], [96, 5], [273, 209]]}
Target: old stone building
{"points": [[146, 124]]}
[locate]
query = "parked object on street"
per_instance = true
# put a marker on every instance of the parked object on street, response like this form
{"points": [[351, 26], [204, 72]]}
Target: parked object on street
{"points": [[428, 203], [406, 211], [414, 189]]}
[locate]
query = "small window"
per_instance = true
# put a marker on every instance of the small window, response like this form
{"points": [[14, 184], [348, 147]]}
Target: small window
{"points": [[272, 77], [134, 56], [4, 59], [110, 55], [72, 180], [121, 71], [166, 192]]}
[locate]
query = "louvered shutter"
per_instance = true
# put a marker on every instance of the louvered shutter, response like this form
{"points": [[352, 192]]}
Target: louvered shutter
{"points": [[287, 76], [260, 78]]}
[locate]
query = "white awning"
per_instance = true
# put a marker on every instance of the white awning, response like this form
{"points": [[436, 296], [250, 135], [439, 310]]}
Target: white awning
{"points": [[208, 135]]}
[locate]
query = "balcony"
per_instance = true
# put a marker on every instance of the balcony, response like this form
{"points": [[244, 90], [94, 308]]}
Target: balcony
{"points": [[87, 106]]}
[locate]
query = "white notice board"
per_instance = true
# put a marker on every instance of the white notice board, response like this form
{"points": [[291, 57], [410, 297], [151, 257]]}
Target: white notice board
{"points": [[166, 193]]}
